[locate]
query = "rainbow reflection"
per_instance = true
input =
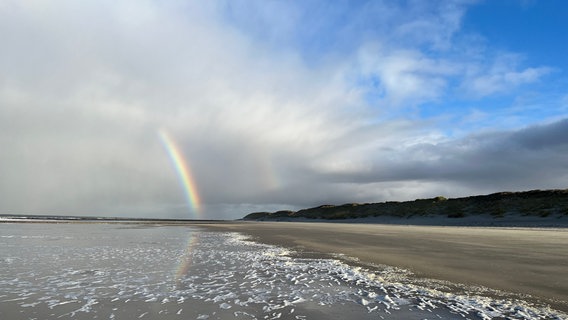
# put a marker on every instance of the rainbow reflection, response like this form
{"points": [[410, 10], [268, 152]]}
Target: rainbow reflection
{"points": [[183, 172], [186, 260]]}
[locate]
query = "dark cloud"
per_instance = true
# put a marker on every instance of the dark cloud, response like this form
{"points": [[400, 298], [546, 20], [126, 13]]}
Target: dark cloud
{"points": [[533, 157], [543, 137]]}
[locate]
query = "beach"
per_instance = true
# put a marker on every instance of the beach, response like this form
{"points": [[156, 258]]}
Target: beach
{"points": [[164, 271], [250, 270], [529, 262]]}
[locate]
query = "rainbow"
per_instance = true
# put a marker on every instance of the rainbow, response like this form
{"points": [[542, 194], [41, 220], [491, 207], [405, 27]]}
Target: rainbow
{"points": [[184, 174]]}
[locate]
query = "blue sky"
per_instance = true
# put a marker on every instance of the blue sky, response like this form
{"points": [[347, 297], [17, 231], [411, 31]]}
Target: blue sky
{"points": [[277, 104], [534, 28]]}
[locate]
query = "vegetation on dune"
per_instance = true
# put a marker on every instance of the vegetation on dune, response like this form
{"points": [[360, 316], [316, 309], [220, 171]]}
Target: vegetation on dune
{"points": [[537, 203]]}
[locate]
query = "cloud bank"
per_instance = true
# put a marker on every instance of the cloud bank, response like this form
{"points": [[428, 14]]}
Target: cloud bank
{"points": [[273, 105]]}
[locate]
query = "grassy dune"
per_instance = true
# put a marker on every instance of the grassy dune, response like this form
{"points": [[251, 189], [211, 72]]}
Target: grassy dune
{"points": [[535, 203]]}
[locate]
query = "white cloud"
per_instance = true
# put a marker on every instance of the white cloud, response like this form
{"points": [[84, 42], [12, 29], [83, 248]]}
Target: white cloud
{"points": [[503, 75], [431, 24], [86, 85], [406, 77], [84, 114]]}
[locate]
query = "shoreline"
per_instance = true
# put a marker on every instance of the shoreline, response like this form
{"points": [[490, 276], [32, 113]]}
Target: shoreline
{"points": [[527, 262], [509, 221]]}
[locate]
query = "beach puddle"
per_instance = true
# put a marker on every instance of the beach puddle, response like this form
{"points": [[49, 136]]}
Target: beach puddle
{"points": [[113, 271]]}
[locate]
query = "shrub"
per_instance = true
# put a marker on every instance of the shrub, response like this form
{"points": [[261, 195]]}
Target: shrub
{"points": [[440, 199]]}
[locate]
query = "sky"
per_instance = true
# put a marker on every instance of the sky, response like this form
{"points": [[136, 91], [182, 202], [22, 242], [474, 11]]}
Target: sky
{"points": [[215, 109]]}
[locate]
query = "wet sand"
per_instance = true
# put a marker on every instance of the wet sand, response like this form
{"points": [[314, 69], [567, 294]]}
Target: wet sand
{"points": [[516, 260]]}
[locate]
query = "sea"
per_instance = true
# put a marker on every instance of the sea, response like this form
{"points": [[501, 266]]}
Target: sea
{"points": [[151, 271]]}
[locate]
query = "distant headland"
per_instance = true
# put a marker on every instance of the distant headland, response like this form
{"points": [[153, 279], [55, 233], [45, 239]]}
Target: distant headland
{"points": [[527, 208]]}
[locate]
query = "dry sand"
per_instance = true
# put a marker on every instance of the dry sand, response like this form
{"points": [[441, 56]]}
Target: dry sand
{"points": [[516, 260]]}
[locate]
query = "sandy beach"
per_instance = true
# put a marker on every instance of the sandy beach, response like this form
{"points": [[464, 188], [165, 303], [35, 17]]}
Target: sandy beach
{"points": [[522, 261], [222, 269]]}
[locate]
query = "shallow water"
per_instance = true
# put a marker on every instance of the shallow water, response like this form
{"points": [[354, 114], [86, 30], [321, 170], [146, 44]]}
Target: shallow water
{"points": [[119, 271]]}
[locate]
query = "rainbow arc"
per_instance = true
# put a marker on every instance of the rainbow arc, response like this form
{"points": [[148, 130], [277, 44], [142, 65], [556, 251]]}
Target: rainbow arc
{"points": [[183, 171]]}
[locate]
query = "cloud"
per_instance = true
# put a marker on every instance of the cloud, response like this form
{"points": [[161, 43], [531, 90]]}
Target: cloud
{"points": [[79, 123], [405, 77], [528, 158], [317, 31], [533, 157], [503, 75], [268, 112]]}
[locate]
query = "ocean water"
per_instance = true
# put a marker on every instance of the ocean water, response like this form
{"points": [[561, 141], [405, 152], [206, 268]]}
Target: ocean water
{"points": [[130, 271]]}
